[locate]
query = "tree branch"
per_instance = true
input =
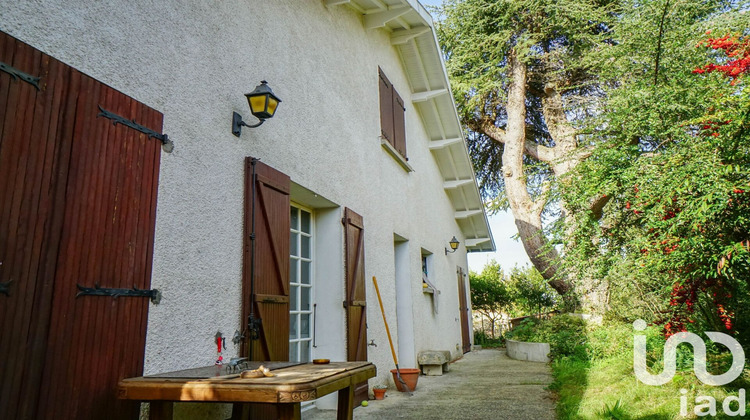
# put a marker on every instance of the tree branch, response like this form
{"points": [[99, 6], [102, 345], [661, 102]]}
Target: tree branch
{"points": [[536, 151], [541, 200], [658, 44], [554, 116], [597, 205], [584, 153], [539, 152], [492, 131]]}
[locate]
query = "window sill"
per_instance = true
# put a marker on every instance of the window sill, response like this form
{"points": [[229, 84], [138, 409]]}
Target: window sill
{"points": [[396, 155]]}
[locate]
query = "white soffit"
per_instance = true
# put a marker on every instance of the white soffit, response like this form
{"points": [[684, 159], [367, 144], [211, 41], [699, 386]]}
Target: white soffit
{"points": [[413, 36]]}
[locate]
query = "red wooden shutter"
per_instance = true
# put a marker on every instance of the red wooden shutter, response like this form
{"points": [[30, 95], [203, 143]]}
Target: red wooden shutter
{"points": [[271, 298], [31, 157], [386, 107], [399, 124], [356, 299], [81, 204]]}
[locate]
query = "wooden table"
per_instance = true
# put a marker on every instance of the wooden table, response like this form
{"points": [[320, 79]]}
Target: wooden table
{"points": [[290, 387]]}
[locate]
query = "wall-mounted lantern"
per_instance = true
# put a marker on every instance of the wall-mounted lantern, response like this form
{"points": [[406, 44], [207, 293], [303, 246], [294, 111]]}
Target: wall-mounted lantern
{"points": [[454, 246], [263, 104]]}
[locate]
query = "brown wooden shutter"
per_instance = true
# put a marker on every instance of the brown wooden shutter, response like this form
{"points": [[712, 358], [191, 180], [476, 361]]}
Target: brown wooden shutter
{"points": [[386, 107], [272, 224], [356, 299], [78, 206], [464, 311], [399, 124]]}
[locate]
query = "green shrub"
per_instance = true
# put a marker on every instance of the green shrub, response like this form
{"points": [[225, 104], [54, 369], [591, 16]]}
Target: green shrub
{"points": [[565, 334], [483, 339]]}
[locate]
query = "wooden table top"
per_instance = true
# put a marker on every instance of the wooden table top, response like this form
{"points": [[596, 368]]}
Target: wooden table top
{"points": [[290, 385]]}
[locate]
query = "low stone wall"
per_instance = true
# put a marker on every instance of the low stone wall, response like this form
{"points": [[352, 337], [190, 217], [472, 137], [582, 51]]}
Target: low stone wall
{"points": [[532, 352]]}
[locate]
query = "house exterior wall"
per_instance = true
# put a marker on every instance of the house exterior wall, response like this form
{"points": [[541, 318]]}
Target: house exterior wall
{"points": [[193, 61]]}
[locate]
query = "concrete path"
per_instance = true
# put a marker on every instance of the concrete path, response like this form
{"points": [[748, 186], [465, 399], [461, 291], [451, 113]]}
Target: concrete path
{"points": [[484, 384]]}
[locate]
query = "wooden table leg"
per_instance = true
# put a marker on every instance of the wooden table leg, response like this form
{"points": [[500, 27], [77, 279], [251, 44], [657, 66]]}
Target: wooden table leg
{"points": [[290, 411], [346, 403], [160, 410], [240, 411]]}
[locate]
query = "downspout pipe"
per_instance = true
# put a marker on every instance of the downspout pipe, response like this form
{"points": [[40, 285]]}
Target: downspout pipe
{"points": [[253, 323]]}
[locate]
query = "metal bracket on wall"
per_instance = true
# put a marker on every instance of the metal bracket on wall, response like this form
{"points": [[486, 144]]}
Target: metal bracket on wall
{"points": [[166, 143], [154, 294], [237, 338], [5, 288], [18, 74]]}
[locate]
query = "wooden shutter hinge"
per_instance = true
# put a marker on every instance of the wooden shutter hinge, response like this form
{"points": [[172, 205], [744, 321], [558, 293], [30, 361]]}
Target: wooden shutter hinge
{"points": [[361, 303], [5, 288], [253, 327], [153, 294], [166, 143], [18, 74]]}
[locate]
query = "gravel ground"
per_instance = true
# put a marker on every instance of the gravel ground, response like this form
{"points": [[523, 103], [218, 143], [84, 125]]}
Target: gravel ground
{"points": [[484, 384]]}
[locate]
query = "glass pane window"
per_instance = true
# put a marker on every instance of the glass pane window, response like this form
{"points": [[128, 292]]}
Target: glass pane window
{"points": [[301, 257]]}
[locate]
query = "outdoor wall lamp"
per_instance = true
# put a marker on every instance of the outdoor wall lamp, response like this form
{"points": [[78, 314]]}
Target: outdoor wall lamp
{"points": [[263, 105], [454, 246]]}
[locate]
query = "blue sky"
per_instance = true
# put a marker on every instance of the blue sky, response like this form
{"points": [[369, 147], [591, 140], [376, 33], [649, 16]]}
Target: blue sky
{"points": [[509, 252]]}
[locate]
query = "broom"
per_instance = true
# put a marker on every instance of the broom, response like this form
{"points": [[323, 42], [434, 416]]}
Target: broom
{"points": [[390, 340]]}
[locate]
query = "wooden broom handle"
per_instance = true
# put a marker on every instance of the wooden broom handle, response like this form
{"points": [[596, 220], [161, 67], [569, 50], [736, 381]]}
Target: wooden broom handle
{"points": [[382, 312]]}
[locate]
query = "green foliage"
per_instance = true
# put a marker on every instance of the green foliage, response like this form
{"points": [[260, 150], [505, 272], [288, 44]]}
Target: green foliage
{"points": [[672, 152], [531, 293], [490, 294], [602, 385], [565, 334], [481, 338], [550, 36], [489, 291], [522, 292], [615, 412]]}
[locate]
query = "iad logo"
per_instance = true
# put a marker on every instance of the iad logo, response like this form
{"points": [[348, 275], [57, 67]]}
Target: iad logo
{"points": [[708, 404], [699, 357]]}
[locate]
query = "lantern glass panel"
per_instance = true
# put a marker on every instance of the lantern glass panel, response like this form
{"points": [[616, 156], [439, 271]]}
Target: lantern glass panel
{"points": [[272, 104], [257, 103]]}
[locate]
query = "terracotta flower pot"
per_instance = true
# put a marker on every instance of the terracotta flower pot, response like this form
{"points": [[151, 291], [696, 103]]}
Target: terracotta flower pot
{"points": [[409, 376], [379, 393]]}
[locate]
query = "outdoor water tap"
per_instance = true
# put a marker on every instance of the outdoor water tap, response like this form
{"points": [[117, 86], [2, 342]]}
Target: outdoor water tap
{"points": [[372, 343]]}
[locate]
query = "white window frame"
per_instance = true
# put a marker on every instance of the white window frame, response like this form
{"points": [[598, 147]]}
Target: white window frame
{"points": [[295, 312]]}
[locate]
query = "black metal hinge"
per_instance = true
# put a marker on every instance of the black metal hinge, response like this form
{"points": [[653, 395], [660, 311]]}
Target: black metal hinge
{"points": [[165, 141], [154, 294], [5, 288], [18, 74], [253, 326]]}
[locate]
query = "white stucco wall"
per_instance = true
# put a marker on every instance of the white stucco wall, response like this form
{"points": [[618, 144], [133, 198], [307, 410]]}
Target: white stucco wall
{"points": [[193, 61]]}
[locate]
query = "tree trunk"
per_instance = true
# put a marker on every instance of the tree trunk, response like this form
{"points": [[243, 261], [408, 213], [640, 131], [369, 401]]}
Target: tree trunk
{"points": [[562, 159], [526, 212]]}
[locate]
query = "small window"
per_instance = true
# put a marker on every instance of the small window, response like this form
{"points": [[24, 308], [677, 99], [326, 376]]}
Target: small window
{"points": [[426, 266], [392, 115]]}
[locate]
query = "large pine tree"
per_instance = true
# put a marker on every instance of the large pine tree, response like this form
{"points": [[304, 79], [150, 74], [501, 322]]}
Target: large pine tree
{"points": [[519, 74]]}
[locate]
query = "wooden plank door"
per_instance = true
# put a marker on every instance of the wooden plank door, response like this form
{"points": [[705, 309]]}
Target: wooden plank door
{"points": [[265, 277], [464, 311], [356, 299], [270, 296], [79, 208]]}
